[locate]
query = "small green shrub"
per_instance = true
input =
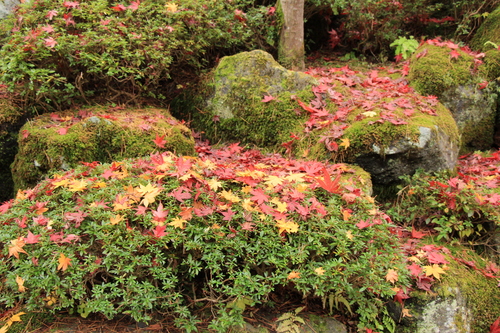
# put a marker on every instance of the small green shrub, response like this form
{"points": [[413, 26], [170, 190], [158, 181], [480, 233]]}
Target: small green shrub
{"points": [[171, 235], [57, 53], [463, 206], [405, 47]]}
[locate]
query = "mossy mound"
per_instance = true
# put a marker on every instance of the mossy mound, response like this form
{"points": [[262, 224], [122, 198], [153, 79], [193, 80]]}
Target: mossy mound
{"points": [[63, 140], [434, 69], [174, 235], [489, 31], [453, 74], [11, 119], [231, 104], [376, 122]]}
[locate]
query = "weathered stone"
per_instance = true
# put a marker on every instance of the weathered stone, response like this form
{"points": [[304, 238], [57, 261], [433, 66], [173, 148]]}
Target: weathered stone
{"points": [[63, 140], [433, 150], [454, 82], [227, 106], [474, 111], [312, 324]]}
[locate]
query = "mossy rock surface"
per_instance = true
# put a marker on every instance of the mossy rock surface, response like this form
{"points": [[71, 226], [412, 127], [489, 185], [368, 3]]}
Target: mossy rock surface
{"points": [[64, 140], [437, 71], [453, 74], [11, 120], [489, 31], [228, 106]]}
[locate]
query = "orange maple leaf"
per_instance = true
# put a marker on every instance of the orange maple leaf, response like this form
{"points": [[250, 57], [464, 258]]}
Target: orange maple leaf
{"points": [[391, 276], [293, 275], [64, 262], [16, 247]]}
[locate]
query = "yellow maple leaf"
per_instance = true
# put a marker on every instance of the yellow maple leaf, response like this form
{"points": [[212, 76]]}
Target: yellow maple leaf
{"points": [[434, 270], [121, 202], [16, 247], [14, 318], [295, 177], [319, 271], [293, 275], [178, 223], [99, 185], [391, 276], [171, 7], [302, 187], [21, 195], [62, 182], [229, 196], [4, 328], [272, 181], [349, 235], [214, 184], [345, 143], [115, 219], [369, 114], [247, 205], [20, 284], [77, 185], [247, 189], [51, 300], [346, 214], [64, 262], [288, 226], [406, 313], [281, 207]]}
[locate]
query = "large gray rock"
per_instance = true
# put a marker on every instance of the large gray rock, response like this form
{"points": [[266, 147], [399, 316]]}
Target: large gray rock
{"points": [[474, 111]]}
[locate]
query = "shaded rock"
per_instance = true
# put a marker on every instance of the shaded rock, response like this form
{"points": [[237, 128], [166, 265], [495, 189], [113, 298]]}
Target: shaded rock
{"points": [[311, 324], [63, 140], [228, 105], [11, 120], [474, 111]]}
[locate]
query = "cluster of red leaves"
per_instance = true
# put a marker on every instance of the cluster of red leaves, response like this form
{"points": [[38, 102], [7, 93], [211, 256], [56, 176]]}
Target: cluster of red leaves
{"points": [[357, 96]]}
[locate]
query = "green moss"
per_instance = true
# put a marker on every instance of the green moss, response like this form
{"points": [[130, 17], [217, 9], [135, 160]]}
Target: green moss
{"points": [[490, 69], [97, 136], [482, 293], [436, 72], [489, 31]]}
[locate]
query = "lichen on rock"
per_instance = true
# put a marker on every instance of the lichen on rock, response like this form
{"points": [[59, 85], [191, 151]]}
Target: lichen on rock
{"points": [[63, 140]]}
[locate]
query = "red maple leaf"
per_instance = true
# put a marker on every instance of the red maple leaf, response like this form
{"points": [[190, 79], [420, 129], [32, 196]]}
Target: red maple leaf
{"points": [[327, 184], [181, 193], [363, 224], [160, 141], [400, 296], [159, 231], [5, 206], [417, 234], [495, 327], [160, 214], [247, 226], [454, 54], [134, 5], [71, 4], [63, 130], [436, 258], [267, 98], [119, 8], [414, 269], [228, 216], [50, 14], [421, 54], [31, 239], [259, 195]]}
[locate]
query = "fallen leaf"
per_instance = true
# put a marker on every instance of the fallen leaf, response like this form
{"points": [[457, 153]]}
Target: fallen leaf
{"points": [[391, 276], [434, 270], [293, 275], [16, 247], [20, 284], [64, 262], [319, 271]]}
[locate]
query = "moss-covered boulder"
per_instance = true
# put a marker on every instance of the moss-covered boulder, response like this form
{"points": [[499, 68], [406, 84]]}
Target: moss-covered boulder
{"points": [[466, 299], [248, 98], [63, 140], [376, 122], [454, 75], [11, 119], [489, 31]]}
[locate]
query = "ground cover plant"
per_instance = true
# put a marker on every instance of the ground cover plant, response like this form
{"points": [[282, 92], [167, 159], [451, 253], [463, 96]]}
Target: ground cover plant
{"points": [[462, 205], [167, 233], [61, 52]]}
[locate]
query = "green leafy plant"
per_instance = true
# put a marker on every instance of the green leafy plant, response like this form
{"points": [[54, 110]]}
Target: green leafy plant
{"points": [[172, 235], [405, 46], [290, 322], [63, 52], [464, 206]]}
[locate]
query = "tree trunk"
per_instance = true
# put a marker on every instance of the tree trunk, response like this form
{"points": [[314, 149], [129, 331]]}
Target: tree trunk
{"points": [[291, 45]]}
